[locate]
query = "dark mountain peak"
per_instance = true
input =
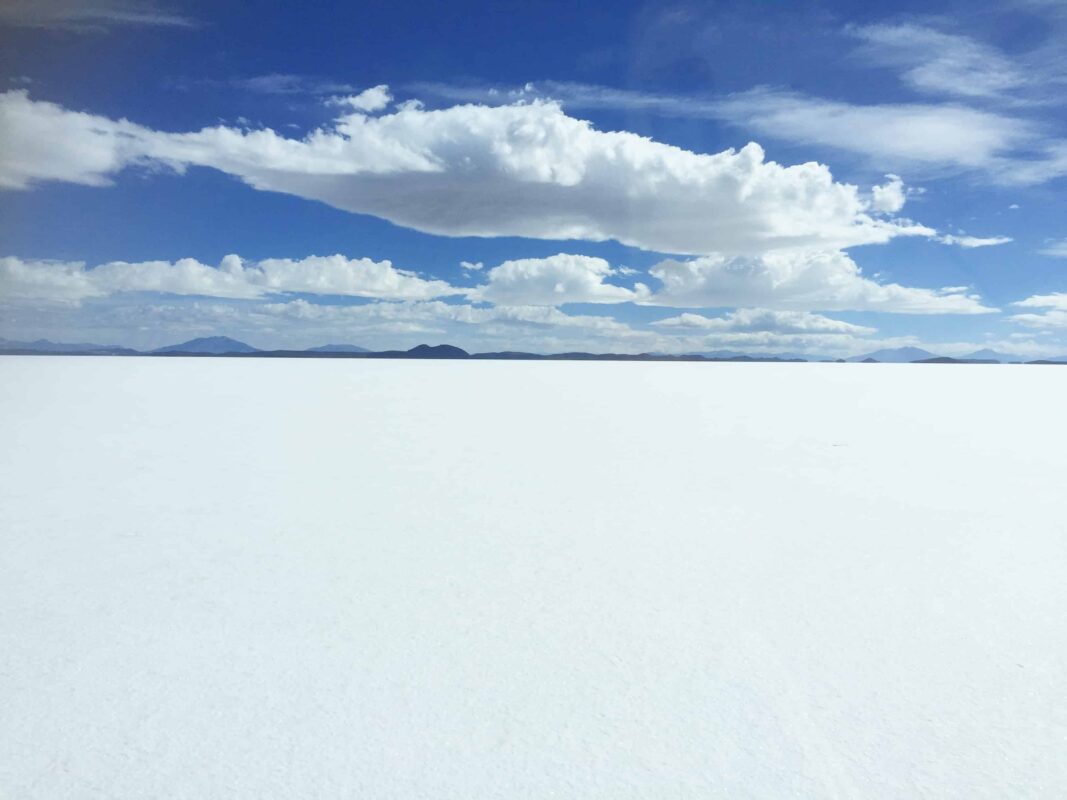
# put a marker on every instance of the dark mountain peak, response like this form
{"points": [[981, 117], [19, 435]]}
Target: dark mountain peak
{"points": [[437, 351], [946, 360], [215, 345]]}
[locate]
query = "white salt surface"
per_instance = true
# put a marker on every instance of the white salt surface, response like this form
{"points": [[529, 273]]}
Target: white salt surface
{"points": [[389, 579]]}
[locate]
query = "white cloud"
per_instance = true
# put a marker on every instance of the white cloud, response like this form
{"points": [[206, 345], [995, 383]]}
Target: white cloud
{"points": [[324, 275], [889, 197], [553, 281], [186, 276], [1054, 300], [933, 61], [369, 100], [824, 281], [517, 170], [472, 266], [1057, 249], [339, 275], [46, 142], [1053, 316], [54, 281], [971, 242], [764, 319]]}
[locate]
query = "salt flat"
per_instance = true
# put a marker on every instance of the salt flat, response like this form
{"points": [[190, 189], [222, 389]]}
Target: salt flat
{"points": [[226, 578]]}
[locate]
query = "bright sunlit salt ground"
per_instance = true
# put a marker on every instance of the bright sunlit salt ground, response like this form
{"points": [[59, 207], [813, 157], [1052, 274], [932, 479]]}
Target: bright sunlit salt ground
{"points": [[225, 578]]}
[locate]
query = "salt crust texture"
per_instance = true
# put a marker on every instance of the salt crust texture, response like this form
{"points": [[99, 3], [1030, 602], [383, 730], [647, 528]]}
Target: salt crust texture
{"points": [[225, 578]]}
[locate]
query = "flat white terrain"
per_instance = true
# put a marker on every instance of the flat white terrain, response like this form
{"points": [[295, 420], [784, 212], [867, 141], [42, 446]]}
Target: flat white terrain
{"points": [[293, 579]]}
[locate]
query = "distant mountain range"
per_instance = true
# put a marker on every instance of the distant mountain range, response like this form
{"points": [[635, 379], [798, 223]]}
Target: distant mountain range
{"points": [[45, 346], [338, 348], [735, 355], [916, 355], [225, 346], [993, 355], [899, 355]]}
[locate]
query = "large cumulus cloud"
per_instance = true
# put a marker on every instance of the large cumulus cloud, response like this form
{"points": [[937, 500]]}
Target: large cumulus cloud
{"points": [[526, 169]]}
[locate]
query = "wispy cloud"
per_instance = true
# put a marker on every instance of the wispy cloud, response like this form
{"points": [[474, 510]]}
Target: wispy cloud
{"points": [[584, 96], [971, 242], [90, 15], [936, 62], [289, 84], [1056, 248], [893, 134]]}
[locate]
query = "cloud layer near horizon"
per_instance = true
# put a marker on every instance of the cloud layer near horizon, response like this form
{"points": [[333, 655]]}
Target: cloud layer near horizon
{"points": [[386, 324], [787, 280], [71, 282]]}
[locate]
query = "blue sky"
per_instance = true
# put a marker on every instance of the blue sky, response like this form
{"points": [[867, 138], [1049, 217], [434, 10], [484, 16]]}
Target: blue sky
{"points": [[626, 177]]}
